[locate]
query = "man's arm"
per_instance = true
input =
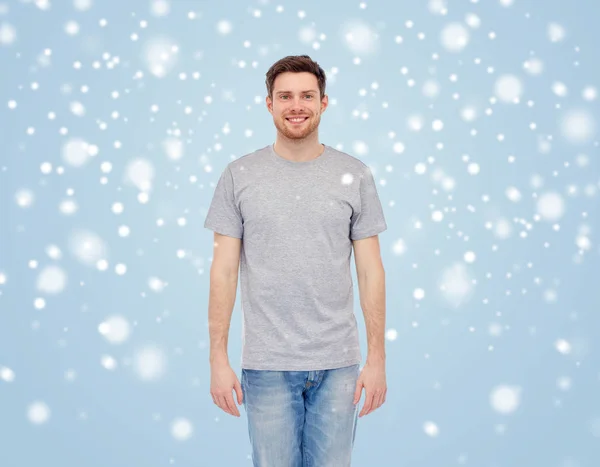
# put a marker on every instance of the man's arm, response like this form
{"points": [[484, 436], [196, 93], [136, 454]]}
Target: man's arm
{"points": [[371, 284], [223, 287]]}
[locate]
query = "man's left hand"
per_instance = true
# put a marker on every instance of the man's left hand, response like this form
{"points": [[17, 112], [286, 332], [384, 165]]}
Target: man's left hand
{"points": [[372, 378]]}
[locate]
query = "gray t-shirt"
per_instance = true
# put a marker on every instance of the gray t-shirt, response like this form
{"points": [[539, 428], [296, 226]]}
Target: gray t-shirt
{"points": [[297, 221]]}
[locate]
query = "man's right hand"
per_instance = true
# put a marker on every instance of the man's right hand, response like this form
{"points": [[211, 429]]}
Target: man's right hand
{"points": [[223, 380]]}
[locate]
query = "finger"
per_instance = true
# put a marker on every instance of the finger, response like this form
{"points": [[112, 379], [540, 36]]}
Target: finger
{"points": [[223, 404], [367, 405], [239, 392], [372, 402], [231, 405], [357, 392], [377, 403], [217, 400]]}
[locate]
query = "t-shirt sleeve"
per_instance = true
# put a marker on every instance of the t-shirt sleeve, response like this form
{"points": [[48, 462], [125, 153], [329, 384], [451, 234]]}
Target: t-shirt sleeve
{"points": [[369, 219], [223, 215]]}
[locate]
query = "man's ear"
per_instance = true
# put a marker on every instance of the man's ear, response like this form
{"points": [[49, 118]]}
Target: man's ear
{"points": [[324, 103], [269, 103]]}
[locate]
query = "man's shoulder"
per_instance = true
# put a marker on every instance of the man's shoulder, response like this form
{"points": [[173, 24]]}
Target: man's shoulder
{"points": [[253, 157], [345, 158]]}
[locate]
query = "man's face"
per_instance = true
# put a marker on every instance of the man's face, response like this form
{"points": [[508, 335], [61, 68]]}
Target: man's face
{"points": [[296, 95]]}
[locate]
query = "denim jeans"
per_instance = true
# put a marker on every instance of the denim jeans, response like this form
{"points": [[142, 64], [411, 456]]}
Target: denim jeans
{"points": [[301, 418]]}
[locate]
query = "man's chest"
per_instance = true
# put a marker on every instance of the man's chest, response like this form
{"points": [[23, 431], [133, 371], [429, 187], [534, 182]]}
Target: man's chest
{"points": [[295, 207]]}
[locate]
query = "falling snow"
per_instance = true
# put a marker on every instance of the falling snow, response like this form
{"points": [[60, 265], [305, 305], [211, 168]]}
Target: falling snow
{"points": [[479, 123]]}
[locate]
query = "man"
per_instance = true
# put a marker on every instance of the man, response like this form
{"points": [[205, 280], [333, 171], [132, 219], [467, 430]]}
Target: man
{"points": [[289, 215]]}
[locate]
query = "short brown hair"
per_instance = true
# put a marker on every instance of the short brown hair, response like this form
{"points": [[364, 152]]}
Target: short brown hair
{"points": [[295, 64]]}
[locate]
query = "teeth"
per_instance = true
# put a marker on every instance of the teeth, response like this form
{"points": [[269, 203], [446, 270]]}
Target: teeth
{"points": [[296, 119]]}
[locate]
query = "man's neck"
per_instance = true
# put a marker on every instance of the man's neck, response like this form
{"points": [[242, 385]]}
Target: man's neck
{"points": [[299, 150]]}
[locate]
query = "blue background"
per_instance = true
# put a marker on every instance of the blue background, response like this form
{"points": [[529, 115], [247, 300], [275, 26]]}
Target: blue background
{"points": [[529, 322]]}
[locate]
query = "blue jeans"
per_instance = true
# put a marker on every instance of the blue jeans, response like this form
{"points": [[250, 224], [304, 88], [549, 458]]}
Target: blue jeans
{"points": [[301, 418]]}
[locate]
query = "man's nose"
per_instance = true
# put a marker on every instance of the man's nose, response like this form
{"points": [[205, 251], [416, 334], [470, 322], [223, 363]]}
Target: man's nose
{"points": [[297, 103]]}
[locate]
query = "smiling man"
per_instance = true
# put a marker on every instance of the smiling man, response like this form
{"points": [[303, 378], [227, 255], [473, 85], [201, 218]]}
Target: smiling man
{"points": [[288, 216]]}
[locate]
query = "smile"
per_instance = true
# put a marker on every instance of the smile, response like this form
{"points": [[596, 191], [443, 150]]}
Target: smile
{"points": [[296, 121]]}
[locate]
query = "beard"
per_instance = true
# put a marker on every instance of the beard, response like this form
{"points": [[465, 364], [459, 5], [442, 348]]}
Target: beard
{"points": [[299, 132]]}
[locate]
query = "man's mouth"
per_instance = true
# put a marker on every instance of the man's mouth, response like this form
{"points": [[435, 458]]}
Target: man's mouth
{"points": [[296, 120]]}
